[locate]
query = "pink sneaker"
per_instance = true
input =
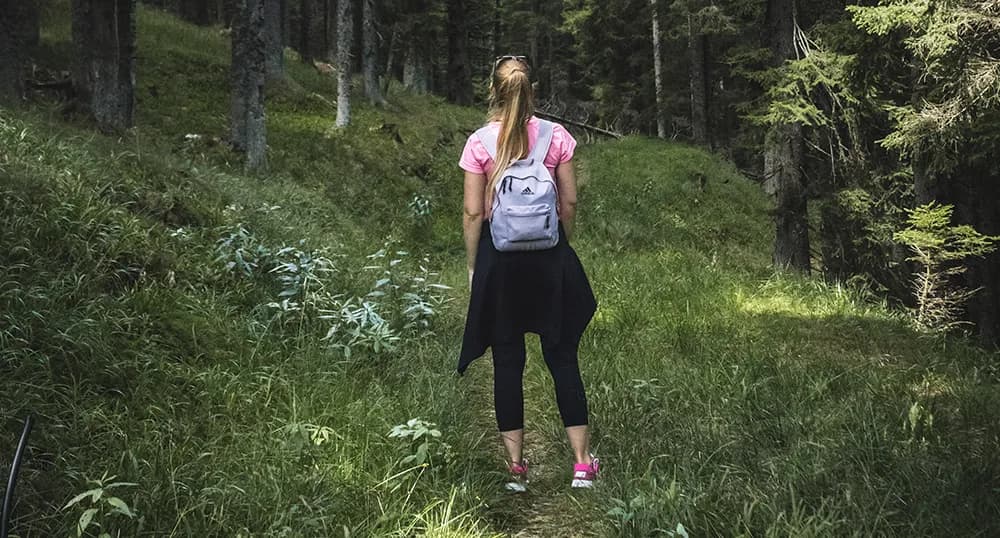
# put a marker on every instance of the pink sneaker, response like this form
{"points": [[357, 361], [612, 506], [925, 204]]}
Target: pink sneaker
{"points": [[518, 482], [584, 474]]}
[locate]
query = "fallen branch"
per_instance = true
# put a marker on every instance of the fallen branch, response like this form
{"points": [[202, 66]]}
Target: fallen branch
{"points": [[62, 85], [604, 132]]}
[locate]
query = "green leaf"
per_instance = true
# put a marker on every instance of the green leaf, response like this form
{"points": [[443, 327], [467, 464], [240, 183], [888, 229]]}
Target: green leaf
{"points": [[120, 506], [85, 518], [80, 497]]}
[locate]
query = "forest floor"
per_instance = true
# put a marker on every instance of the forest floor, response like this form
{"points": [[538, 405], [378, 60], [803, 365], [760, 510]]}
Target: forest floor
{"points": [[142, 323]]}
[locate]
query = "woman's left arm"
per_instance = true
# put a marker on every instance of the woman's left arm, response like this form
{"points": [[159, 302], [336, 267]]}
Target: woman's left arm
{"points": [[566, 183], [472, 221]]}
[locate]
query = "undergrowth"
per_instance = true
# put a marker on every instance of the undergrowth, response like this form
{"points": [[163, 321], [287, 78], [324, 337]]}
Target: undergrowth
{"points": [[273, 355]]}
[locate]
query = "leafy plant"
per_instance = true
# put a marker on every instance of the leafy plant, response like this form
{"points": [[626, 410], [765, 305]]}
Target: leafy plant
{"points": [[240, 251], [420, 209], [302, 434], [301, 275], [98, 504], [424, 442], [357, 324], [412, 294]]}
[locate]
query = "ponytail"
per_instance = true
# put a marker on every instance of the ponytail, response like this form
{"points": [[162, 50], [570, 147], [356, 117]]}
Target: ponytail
{"points": [[512, 104]]}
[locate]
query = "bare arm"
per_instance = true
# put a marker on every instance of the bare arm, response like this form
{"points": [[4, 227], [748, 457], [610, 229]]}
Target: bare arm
{"points": [[472, 221], [566, 181]]}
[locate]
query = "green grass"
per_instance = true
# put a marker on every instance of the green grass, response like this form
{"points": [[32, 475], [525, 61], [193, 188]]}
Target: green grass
{"points": [[724, 397]]}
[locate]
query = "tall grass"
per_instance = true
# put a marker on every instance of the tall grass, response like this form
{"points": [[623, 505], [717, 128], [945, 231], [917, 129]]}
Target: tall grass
{"points": [[726, 400]]}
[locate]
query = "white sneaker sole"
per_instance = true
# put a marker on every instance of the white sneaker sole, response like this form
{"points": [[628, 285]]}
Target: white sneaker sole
{"points": [[581, 483], [515, 487]]}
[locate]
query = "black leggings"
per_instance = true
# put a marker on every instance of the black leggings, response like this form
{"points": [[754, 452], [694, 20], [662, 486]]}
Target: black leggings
{"points": [[508, 391]]}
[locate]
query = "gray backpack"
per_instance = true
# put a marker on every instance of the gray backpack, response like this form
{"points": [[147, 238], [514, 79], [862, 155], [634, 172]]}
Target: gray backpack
{"points": [[525, 200]]}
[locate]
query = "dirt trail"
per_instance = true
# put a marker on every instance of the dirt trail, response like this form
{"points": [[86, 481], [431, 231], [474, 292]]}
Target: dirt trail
{"points": [[550, 508]]}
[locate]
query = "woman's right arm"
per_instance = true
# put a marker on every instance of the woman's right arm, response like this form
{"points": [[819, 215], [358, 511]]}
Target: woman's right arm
{"points": [[566, 182], [472, 221]]}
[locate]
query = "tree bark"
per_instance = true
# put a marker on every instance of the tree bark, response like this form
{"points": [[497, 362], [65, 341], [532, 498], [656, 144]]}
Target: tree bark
{"points": [[314, 41], [104, 77], [196, 11], [330, 29], [345, 36], [274, 22], [390, 58], [459, 72], [984, 273], [18, 33], [416, 76], [229, 10], [783, 155], [497, 28], [249, 130], [369, 54], [697, 47], [661, 122]]}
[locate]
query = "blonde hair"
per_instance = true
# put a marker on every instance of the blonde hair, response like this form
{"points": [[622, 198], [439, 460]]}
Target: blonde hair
{"points": [[512, 103]]}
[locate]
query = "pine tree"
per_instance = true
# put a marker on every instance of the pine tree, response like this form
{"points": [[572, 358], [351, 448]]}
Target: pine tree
{"points": [[369, 54], [459, 72], [274, 23], [784, 153], [104, 35], [249, 130], [661, 121], [345, 36], [18, 32]]}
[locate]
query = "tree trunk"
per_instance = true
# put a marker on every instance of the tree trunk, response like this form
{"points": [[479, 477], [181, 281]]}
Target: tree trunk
{"points": [[661, 122], [345, 36], [313, 34], [369, 54], [229, 12], [104, 35], [534, 30], [697, 48], [558, 70], [984, 273], [390, 59], [459, 73], [196, 11], [330, 29], [783, 155], [416, 76], [274, 22], [497, 28], [249, 131], [973, 188], [18, 33]]}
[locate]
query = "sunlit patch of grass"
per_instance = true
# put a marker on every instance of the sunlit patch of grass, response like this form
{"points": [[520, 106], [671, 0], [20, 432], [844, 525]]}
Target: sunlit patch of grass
{"points": [[726, 399]]}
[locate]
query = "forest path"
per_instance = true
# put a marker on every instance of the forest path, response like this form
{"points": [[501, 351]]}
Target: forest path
{"points": [[550, 507]]}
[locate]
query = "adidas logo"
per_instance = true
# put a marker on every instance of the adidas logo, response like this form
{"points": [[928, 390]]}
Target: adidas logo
{"points": [[527, 190]]}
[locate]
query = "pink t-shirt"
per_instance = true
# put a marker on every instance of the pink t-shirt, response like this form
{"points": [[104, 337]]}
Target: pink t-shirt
{"points": [[477, 160]]}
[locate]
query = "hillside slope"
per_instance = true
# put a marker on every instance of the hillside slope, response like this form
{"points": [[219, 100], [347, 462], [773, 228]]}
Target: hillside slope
{"points": [[167, 318]]}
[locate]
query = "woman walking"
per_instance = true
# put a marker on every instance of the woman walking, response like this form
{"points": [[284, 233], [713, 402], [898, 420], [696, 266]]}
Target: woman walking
{"points": [[523, 274]]}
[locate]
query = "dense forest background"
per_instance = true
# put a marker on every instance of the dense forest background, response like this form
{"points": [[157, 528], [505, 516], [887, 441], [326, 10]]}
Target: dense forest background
{"points": [[232, 290], [848, 114]]}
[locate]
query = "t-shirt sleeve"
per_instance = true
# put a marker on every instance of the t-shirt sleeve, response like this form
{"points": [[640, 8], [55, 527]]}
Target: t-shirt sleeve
{"points": [[474, 156], [563, 142]]}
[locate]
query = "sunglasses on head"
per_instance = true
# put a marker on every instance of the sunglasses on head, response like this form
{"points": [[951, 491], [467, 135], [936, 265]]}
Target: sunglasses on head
{"points": [[501, 59], [522, 59]]}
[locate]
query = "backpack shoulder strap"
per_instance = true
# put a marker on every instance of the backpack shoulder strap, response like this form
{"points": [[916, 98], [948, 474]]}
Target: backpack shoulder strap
{"points": [[489, 140], [545, 130], [541, 149]]}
